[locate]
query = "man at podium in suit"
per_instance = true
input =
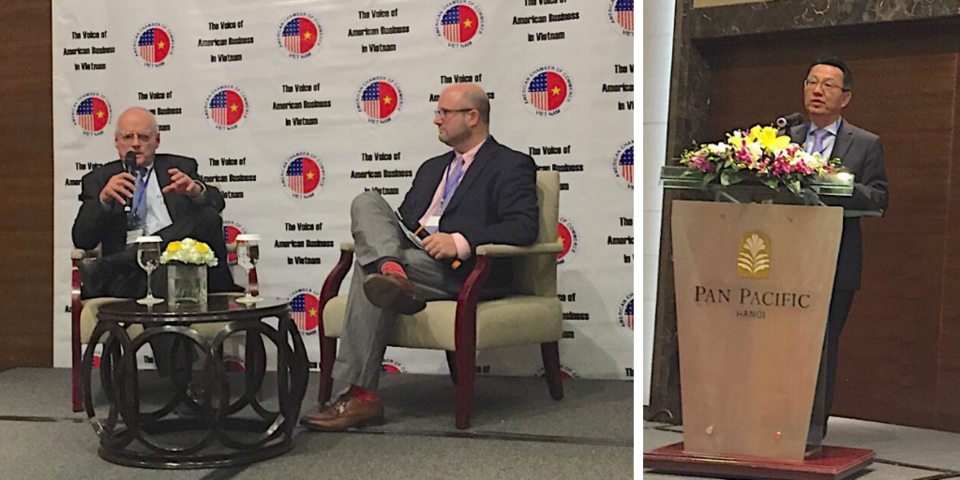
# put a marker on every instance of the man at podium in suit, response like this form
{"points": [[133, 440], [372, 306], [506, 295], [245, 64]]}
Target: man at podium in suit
{"points": [[826, 92]]}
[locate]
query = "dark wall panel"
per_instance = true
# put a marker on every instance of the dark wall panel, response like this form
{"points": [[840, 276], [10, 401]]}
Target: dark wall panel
{"points": [[26, 183]]}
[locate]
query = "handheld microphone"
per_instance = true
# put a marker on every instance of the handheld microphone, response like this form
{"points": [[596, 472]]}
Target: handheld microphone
{"points": [[130, 166], [420, 231], [789, 121]]}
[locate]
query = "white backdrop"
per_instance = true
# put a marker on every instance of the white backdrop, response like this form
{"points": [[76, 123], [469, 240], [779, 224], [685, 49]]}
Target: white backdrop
{"points": [[287, 102]]}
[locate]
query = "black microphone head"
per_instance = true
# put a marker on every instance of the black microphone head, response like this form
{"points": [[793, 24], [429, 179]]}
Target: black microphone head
{"points": [[130, 161], [791, 120]]}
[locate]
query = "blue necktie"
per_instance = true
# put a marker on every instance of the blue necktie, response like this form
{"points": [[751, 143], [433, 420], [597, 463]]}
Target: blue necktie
{"points": [[139, 198], [453, 179], [819, 136]]}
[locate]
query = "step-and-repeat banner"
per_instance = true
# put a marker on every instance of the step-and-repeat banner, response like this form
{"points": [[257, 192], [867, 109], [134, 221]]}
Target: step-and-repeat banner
{"points": [[293, 108]]}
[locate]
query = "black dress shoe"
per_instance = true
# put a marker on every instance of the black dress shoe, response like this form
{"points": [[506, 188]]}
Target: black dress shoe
{"points": [[92, 278], [393, 293]]}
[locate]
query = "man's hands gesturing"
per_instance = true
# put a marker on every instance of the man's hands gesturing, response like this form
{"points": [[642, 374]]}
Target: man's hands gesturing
{"points": [[182, 183], [120, 188]]}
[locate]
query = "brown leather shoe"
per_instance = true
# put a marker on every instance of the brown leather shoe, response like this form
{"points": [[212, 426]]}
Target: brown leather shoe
{"points": [[347, 412], [394, 293]]}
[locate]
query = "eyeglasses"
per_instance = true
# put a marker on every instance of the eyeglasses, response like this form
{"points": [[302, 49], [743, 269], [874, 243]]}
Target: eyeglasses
{"points": [[127, 137], [443, 112], [826, 84]]}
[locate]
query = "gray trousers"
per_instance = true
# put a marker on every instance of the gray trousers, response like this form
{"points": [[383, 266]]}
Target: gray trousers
{"points": [[377, 234]]}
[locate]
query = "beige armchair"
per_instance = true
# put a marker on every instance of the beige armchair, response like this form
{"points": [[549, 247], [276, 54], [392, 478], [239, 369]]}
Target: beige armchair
{"points": [[533, 315], [83, 315]]}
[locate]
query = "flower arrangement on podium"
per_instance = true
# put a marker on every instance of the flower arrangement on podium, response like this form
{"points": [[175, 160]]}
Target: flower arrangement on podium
{"points": [[761, 155], [187, 262]]}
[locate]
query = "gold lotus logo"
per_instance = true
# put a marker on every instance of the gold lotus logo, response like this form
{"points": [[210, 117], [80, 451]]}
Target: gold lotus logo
{"points": [[754, 258]]}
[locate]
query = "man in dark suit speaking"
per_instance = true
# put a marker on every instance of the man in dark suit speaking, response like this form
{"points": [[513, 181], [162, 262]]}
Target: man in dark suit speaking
{"points": [[168, 200], [171, 202], [479, 193], [826, 92]]}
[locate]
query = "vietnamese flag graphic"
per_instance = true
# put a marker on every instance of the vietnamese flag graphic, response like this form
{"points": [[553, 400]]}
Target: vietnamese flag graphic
{"points": [[226, 107], [303, 175], [300, 35], [154, 45], [468, 23], [379, 100], [93, 114], [548, 91], [565, 238]]}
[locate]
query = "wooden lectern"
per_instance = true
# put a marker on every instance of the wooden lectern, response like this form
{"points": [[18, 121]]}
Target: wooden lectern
{"points": [[753, 286]]}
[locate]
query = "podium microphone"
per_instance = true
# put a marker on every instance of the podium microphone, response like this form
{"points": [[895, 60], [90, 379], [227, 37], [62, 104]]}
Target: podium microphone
{"points": [[420, 231], [789, 121], [130, 166]]}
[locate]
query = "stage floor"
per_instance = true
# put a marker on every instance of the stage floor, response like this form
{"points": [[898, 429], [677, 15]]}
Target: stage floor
{"points": [[903, 453], [518, 432]]}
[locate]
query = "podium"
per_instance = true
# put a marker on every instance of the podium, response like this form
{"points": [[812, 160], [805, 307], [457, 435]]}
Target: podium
{"points": [[754, 273]]}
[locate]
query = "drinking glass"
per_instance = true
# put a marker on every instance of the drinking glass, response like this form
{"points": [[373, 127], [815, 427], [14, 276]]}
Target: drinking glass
{"points": [[248, 252], [148, 256]]}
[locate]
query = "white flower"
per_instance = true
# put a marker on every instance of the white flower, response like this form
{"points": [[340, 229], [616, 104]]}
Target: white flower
{"points": [[189, 251]]}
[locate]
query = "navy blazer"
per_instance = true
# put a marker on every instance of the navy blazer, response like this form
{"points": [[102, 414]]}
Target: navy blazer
{"points": [[95, 225], [861, 153], [496, 201]]}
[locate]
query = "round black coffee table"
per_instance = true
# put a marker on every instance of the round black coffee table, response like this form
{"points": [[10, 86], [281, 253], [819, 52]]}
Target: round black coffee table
{"points": [[217, 426]]}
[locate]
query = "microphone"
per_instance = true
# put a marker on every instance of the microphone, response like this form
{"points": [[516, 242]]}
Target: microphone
{"points": [[130, 166], [420, 232], [789, 121]]}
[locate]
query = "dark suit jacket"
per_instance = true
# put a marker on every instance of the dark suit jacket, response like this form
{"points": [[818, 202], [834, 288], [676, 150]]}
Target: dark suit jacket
{"points": [[94, 225], [496, 201], [861, 153]]}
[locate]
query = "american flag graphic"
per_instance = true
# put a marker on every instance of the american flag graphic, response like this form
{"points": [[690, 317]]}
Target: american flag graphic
{"points": [[304, 310], [624, 9], [628, 315], [626, 165], [229, 236], [226, 107], [379, 100], [547, 90], [92, 114], [300, 35], [460, 23], [303, 175], [154, 45]]}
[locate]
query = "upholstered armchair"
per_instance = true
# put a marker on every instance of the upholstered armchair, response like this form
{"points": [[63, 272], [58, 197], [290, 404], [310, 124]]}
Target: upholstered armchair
{"points": [[532, 315], [84, 315]]}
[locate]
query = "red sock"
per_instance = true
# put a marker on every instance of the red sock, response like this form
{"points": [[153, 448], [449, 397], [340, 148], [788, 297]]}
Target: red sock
{"points": [[362, 395], [394, 267]]}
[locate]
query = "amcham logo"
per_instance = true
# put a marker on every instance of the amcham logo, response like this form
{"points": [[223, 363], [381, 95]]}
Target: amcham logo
{"points": [[754, 258]]}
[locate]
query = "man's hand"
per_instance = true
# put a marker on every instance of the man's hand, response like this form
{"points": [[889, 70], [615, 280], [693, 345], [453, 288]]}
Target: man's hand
{"points": [[440, 245], [120, 188], [182, 183]]}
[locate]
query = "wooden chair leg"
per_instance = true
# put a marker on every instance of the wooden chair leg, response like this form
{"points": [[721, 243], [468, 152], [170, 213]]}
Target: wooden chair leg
{"points": [[551, 367], [328, 355], [466, 372], [75, 366], [452, 365]]}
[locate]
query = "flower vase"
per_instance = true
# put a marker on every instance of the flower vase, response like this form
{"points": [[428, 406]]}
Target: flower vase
{"points": [[186, 284]]}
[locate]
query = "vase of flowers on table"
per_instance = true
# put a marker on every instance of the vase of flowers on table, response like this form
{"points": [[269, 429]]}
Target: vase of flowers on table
{"points": [[187, 262]]}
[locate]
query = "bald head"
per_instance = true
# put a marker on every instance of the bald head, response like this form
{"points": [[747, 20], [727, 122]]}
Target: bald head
{"points": [[463, 116], [138, 115], [137, 131]]}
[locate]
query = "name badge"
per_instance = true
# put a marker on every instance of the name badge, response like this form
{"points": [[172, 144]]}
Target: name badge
{"points": [[133, 235], [433, 221]]}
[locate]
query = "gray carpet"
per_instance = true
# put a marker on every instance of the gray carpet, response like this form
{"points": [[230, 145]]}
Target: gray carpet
{"points": [[517, 432]]}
